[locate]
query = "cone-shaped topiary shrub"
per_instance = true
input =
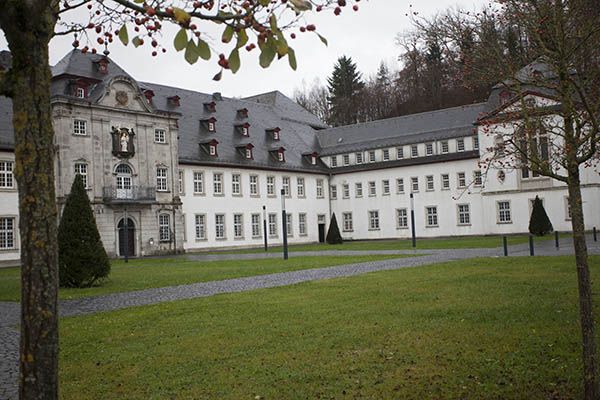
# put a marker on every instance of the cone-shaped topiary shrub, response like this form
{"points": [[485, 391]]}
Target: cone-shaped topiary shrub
{"points": [[82, 260], [539, 223], [333, 234]]}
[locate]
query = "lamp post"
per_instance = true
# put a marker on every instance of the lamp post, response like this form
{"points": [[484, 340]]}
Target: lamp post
{"points": [[265, 227], [284, 225], [412, 220]]}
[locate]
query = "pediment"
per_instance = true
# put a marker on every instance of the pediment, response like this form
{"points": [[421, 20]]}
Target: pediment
{"points": [[531, 100], [125, 94]]}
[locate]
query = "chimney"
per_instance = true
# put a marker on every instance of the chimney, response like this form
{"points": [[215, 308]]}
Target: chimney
{"points": [[217, 96]]}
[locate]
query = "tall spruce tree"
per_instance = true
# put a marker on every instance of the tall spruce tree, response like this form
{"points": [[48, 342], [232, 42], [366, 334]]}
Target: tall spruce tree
{"points": [[82, 260], [345, 85], [333, 234], [539, 223]]}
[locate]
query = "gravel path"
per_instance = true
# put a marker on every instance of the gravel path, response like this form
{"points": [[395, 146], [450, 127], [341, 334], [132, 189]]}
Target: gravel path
{"points": [[9, 311]]}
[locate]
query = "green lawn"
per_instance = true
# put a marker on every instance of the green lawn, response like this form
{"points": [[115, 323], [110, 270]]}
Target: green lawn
{"points": [[159, 272], [459, 242], [503, 328]]}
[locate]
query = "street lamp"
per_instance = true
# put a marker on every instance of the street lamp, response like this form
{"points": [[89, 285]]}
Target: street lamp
{"points": [[412, 220], [265, 227], [284, 225]]}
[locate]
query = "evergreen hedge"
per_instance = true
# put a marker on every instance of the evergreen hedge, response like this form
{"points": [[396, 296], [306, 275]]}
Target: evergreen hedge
{"points": [[82, 260], [539, 223], [333, 234]]}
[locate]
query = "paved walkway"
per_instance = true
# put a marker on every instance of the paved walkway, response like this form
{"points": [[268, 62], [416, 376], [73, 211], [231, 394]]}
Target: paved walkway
{"points": [[9, 311]]}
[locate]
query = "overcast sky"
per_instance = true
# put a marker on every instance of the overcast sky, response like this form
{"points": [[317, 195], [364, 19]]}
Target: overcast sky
{"points": [[367, 36]]}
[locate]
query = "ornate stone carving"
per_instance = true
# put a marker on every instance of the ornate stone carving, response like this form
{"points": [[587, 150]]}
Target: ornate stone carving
{"points": [[122, 140], [122, 97]]}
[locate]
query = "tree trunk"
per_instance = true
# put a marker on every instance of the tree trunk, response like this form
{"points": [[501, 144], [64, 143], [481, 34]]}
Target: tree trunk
{"points": [[590, 360], [28, 26]]}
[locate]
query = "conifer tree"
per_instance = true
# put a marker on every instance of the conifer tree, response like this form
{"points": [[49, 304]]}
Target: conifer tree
{"points": [[82, 259], [539, 223], [333, 234], [345, 85]]}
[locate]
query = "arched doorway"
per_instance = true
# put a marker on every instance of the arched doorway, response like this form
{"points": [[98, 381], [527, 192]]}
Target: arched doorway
{"points": [[124, 182], [126, 237]]}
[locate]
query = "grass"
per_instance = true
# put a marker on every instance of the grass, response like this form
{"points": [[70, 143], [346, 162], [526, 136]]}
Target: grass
{"points": [[459, 242], [152, 273], [503, 328]]}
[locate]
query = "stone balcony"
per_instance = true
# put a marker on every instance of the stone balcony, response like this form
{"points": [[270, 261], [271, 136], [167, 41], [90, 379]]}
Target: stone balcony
{"points": [[133, 195]]}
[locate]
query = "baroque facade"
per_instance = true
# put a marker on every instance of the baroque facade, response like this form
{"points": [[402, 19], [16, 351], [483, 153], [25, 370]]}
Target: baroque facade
{"points": [[168, 169]]}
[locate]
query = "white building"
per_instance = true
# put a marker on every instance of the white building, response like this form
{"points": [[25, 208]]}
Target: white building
{"points": [[192, 171]]}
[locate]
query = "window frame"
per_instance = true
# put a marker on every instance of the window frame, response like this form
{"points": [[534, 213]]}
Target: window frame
{"points": [[162, 179], [374, 220], [402, 220], [200, 226], [8, 234], [80, 127], [157, 136], [500, 211], [218, 184], [220, 232], [431, 217], [347, 222], [7, 177], [461, 214]]}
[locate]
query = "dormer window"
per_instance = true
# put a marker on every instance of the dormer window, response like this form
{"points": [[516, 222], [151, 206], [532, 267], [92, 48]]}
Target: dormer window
{"points": [[275, 133], [242, 113], [210, 147], [149, 95], [173, 101], [243, 129], [278, 154], [102, 66], [80, 92], [504, 97], [246, 151], [311, 157], [210, 125], [210, 107]]}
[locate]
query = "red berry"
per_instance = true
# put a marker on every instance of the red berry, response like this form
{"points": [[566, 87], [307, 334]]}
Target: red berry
{"points": [[75, 43], [319, 8], [154, 43], [342, 3], [293, 36], [337, 11], [311, 27], [89, 6], [154, 54], [355, 7], [93, 51], [221, 56], [100, 40], [302, 29], [151, 11]]}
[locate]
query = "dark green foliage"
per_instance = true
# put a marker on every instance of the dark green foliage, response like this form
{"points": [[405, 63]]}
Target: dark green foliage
{"points": [[333, 234], [345, 86], [82, 260], [539, 223]]}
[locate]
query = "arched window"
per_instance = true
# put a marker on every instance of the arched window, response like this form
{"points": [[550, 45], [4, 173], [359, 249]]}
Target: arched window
{"points": [[124, 181], [533, 149]]}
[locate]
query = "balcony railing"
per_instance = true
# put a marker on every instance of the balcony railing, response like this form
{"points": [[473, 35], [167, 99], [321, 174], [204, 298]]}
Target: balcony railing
{"points": [[135, 194]]}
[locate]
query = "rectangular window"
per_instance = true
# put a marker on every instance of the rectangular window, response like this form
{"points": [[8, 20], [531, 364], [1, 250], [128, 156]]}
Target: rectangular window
{"points": [[414, 184], [80, 93], [161, 179], [238, 226], [334, 161], [198, 182], [431, 216], [160, 136], [359, 158], [333, 191], [373, 220], [358, 189], [253, 185], [320, 189], [270, 186], [503, 212], [346, 159], [460, 144], [220, 226], [445, 147], [399, 152], [372, 189], [218, 184], [429, 182], [6, 175], [180, 175], [7, 233], [288, 225], [429, 149], [164, 228], [345, 190], [82, 170], [400, 185], [300, 186], [414, 151], [302, 224], [386, 155], [79, 127], [385, 187], [464, 214], [475, 143], [445, 181], [273, 225], [285, 184], [401, 218], [347, 222], [462, 180], [200, 220], [256, 226], [236, 184], [372, 156], [477, 181]]}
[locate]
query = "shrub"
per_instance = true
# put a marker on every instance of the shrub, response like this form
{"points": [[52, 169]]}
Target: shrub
{"points": [[333, 234], [82, 260], [539, 223]]}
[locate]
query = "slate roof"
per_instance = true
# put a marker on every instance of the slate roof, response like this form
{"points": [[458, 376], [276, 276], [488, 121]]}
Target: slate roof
{"points": [[448, 123], [288, 109]]}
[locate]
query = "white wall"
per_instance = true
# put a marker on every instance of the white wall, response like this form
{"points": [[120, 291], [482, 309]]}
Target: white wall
{"points": [[9, 208]]}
